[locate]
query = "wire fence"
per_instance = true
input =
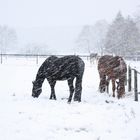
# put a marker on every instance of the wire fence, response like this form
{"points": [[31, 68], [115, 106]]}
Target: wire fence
{"points": [[35, 56], [132, 72]]}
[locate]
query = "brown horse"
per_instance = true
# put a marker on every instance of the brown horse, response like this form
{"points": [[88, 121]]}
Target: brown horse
{"points": [[112, 68]]}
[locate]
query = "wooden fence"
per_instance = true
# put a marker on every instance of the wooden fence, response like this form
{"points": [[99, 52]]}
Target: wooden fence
{"points": [[135, 78]]}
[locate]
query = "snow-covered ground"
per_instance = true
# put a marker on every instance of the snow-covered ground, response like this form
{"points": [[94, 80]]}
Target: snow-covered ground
{"points": [[25, 118]]}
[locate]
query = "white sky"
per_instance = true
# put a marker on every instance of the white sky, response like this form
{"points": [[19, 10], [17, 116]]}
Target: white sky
{"points": [[32, 13], [58, 22]]}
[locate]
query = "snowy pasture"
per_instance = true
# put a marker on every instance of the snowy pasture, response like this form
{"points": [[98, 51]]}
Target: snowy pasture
{"points": [[97, 117]]}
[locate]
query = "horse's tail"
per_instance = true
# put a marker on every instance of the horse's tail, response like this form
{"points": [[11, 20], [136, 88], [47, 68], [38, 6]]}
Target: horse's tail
{"points": [[81, 66], [78, 84]]}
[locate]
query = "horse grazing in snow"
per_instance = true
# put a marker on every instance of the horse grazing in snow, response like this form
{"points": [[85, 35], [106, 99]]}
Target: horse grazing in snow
{"points": [[93, 57], [112, 68], [64, 68]]}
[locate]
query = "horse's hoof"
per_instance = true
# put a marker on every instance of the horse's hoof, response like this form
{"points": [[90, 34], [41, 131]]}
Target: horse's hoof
{"points": [[76, 100], [53, 99], [119, 97], [69, 102]]}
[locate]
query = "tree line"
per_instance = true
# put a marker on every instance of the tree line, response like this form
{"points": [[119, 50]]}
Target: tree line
{"points": [[9, 43], [121, 37]]}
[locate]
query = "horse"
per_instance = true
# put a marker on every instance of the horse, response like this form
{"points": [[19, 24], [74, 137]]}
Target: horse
{"points": [[63, 68], [93, 57], [112, 68]]}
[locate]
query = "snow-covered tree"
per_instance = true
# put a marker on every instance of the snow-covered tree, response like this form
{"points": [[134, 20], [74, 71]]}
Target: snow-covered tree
{"points": [[122, 37], [91, 38], [8, 39], [99, 32], [132, 37], [137, 20], [84, 39], [114, 36]]}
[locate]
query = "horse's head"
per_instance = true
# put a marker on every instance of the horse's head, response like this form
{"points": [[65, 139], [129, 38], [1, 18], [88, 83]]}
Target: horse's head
{"points": [[102, 88], [36, 91]]}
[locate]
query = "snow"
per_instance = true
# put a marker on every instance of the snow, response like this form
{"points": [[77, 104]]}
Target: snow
{"points": [[97, 117]]}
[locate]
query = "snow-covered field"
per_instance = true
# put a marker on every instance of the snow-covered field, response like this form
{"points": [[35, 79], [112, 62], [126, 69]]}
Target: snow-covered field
{"points": [[25, 118]]}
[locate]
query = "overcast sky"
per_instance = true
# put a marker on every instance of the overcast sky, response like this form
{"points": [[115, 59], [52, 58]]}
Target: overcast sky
{"points": [[30, 13], [57, 23]]}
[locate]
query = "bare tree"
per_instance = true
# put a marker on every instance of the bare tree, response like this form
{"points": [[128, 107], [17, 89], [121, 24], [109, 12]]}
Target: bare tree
{"points": [[91, 39], [8, 39], [36, 48], [84, 39]]}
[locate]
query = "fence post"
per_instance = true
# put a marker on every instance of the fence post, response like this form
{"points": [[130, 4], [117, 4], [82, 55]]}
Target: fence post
{"points": [[1, 58], [135, 85], [37, 59], [129, 78]]}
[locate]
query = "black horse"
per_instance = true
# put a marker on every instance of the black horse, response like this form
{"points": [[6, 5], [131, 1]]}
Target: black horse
{"points": [[64, 68]]}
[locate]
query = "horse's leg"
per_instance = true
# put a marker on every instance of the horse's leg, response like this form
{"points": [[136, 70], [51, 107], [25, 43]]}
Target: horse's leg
{"points": [[107, 85], [121, 88], [78, 89], [113, 87], [71, 87], [121, 92], [52, 85], [102, 85]]}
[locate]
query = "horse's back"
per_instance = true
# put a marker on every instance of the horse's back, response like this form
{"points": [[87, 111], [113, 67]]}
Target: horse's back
{"points": [[63, 67], [71, 63], [70, 60], [103, 63], [104, 59], [112, 66]]}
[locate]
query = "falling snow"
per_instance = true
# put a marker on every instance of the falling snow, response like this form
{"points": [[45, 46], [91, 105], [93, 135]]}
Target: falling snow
{"points": [[97, 117]]}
